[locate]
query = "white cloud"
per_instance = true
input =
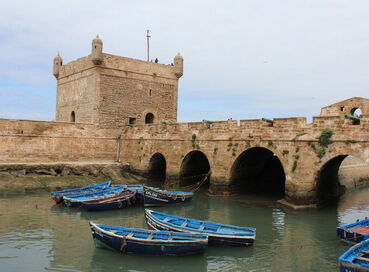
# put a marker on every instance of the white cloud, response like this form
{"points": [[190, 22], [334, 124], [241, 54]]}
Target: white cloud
{"points": [[287, 57]]}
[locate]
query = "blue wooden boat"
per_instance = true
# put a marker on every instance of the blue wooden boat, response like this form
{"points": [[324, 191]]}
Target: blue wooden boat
{"points": [[356, 259], [57, 196], [138, 188], [147, 241], [157, 197], [76, 200], [219, 234], [355, 232], [121, 201]]}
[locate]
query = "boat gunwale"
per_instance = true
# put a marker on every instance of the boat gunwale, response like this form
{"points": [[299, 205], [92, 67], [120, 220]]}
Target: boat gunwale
{"points": [[169, 193], [209, 233], [62, 193], [113, 193], [156, 241]]}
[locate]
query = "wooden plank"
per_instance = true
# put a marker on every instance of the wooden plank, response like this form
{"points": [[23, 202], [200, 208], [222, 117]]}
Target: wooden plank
{"points": [[362, 259]]}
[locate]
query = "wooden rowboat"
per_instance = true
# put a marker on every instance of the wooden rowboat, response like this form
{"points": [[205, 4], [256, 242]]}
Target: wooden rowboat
{"points": [[219, 234], [157, 197], [355, 232], [356, 259], [77, 200], [121, 201], [147, 242], [57, 196]]}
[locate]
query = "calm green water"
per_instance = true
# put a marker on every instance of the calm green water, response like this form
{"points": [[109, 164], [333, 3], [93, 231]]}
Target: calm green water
{"points": [[35, 235]]}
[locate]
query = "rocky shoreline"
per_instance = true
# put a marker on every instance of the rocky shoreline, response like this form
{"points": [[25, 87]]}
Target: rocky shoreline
{"points": [[35, 177]]}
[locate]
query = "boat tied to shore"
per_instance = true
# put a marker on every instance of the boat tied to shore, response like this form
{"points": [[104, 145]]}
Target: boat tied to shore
{"points": [[158, 197], [57, 196]]}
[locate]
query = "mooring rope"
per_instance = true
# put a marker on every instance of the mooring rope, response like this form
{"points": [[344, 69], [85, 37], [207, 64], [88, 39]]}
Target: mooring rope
{"points": [[194, 187]]}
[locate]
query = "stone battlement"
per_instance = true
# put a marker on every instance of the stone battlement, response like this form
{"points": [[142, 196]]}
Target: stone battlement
{"points": [[281, 128]]}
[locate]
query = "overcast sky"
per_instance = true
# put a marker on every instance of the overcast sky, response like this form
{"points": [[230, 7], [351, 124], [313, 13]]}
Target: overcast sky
{"points": [[243, 59]]}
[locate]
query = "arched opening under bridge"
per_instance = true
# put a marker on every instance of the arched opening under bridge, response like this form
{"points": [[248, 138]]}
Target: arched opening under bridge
{"points": [[328, 187], [157, 167], [194, 170], [258, 171]]}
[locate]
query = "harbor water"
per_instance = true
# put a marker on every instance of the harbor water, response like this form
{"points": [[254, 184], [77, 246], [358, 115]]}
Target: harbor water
{"points": [[36, 235]]}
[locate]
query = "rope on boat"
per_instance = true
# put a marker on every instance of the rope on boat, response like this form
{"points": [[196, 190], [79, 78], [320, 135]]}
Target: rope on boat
{"points": [[194, 187]]}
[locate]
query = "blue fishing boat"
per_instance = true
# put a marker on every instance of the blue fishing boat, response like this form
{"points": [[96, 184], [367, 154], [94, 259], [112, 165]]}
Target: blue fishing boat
{"points": [[355, 232], [157, 197], [147, 241], [219, 234], [76, 200], [57, 196], [138, 188], [121, 201], [356, 259]]}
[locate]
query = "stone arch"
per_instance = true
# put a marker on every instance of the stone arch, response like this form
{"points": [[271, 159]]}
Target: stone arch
{"points": [[328, 187], [73, 117], [258, 170], [157, 167], [194, 167], [149, 118], [356, 112]]}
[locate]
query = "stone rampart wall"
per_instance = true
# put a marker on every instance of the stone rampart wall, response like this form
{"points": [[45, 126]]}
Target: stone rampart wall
{"points": [[38, 141]]}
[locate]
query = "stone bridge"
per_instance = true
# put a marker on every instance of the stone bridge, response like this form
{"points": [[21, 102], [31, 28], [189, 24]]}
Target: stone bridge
{"points": [[289, 156]]}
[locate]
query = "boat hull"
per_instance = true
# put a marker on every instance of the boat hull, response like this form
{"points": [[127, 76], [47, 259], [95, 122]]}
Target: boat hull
{"points": [[355, 259], [157, 197], [346, 267], [74, 201], [127, 245], [57, 196], [214, 239], [355, 232], [120, 203]]}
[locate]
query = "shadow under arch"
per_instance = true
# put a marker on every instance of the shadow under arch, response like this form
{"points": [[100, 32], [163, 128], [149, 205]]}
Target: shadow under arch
{"points": [[195, 165], [258, 170], [328, 187], [157, 167]]}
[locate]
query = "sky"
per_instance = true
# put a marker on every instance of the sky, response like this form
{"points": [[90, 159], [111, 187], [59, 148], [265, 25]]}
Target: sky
{"points": [[243, 59]]}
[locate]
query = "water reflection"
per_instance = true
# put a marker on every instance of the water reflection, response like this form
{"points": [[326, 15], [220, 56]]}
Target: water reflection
{"points": [[36, 235]]}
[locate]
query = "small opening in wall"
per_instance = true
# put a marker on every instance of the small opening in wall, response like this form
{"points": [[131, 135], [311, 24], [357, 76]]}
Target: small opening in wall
{"points": [[73, 117], [132, 120], [342, 108], [150, 92], [356, 113], [149, 119]]}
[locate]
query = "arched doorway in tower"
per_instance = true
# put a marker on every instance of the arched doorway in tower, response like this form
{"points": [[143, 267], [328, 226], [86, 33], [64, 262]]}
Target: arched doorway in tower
{"points": [[73, 117], [157, 168], [258, 171], [195, 169], [149, 118]]}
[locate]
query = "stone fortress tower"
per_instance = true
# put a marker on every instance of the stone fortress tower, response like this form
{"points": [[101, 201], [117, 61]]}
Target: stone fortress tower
{"points": [[111, 91]]}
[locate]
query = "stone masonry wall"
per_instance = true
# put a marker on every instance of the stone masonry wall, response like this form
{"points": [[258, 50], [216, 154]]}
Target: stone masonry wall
{"points": [[37, 141], [292, 140], [77, 91], [133, 88]]}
